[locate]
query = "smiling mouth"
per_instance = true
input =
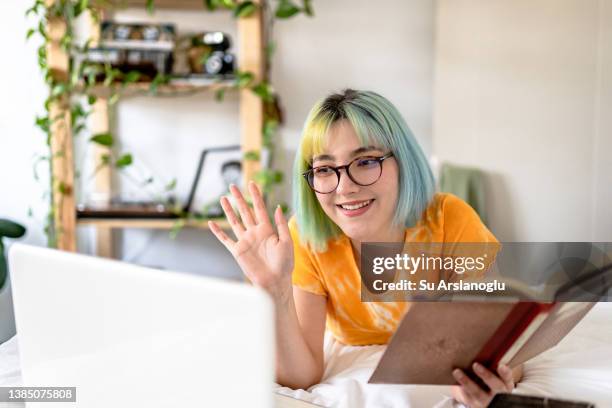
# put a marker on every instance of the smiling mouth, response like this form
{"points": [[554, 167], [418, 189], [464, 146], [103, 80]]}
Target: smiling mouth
{"points": [[355, 205]]}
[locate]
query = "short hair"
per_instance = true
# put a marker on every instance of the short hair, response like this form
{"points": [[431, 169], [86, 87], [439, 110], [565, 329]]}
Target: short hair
{"points": [[377, 123]]}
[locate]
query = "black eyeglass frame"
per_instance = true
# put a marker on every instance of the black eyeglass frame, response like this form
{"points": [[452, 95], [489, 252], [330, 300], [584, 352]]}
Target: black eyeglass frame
{"points": [[337, 169]]}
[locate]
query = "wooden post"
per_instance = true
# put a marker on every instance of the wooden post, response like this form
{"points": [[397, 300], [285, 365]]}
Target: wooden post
{"points": [[250, 33], [62, 163], [100, 123]]}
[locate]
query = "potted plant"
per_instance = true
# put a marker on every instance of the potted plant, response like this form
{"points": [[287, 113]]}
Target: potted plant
{"points": [[8, 229]]}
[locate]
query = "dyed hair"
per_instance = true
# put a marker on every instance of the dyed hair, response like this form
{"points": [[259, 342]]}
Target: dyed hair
{"points": [[377, 123]]}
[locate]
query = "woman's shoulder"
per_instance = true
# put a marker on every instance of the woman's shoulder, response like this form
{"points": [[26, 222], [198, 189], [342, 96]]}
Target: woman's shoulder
{"points": [[455, 219]]}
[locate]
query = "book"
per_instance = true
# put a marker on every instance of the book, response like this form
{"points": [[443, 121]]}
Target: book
{"points": [[434, 338]]}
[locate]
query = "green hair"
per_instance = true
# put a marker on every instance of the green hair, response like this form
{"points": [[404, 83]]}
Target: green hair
{"points": [[377, 123]]}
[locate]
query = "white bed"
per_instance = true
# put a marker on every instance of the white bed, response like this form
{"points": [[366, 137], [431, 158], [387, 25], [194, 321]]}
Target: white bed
{"points": [[580, 367]]}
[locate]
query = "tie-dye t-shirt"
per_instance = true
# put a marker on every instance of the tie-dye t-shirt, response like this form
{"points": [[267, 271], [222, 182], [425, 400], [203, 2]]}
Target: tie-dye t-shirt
{"points": [[334, 272]]}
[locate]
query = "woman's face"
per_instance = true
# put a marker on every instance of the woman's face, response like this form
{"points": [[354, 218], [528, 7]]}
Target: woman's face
{"points": [[363, 213]]}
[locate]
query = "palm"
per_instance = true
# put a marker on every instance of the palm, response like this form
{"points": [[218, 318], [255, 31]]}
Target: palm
{"points": [[264, 254]]}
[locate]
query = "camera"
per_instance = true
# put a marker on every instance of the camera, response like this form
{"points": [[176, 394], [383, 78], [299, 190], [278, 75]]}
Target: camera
{"points": [[208, 54]]}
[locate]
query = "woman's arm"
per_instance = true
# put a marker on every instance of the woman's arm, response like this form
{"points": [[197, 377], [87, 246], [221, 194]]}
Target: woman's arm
{"points": [[265, 255], [300, 323]]}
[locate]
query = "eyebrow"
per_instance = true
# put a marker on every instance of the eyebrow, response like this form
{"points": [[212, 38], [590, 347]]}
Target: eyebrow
{"points": [[354, 153]]}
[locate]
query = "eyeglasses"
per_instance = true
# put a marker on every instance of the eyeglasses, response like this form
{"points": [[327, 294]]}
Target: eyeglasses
{"points": [[363, 171]]}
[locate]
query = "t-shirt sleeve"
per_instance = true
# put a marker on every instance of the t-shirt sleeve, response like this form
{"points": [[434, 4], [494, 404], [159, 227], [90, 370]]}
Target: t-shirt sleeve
{"points": [[306, 275], [466, 235]]}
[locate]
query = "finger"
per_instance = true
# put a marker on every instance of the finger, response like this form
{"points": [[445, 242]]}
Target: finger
{"points": [[261, 214], [222, 236], [458, 394], [232, 218], [505, 374], [243, 208], [281, 225], [470, 388], [494, 383]]}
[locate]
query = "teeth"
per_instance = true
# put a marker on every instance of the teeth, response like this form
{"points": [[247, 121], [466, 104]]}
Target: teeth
{"points": [[356, 206]]}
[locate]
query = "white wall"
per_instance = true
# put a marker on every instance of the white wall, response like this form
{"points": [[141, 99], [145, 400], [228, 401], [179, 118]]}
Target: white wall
{"points": [[22, 94], [523, 91], [385, 46]]}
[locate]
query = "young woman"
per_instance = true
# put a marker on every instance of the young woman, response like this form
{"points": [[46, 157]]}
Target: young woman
{"points": [[360, 176]]}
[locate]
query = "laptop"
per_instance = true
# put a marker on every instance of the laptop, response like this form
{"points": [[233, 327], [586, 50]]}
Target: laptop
{"points": [[130, 336]]}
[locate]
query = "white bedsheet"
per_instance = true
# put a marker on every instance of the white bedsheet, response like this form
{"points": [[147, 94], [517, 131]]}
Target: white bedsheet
{"points": [[580, 367]]}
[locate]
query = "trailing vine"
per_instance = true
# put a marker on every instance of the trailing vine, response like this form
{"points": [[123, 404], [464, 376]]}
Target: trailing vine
{"points": [[66, 89]]}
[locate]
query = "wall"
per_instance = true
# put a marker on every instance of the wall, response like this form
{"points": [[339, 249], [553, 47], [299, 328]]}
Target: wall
{"points": [[338, 48], [522, 90], [21, 98]]}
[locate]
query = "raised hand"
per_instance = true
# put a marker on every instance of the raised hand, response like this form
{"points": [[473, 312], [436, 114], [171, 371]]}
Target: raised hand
{"points": [[264, 254]]}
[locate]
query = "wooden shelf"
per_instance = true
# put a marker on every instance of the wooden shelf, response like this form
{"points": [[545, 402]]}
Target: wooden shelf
{"points": [[160, 223], [171, 89], [159, 4]]}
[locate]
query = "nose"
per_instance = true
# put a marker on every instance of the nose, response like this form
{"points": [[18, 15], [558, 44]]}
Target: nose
{"points": [[345, 184]]}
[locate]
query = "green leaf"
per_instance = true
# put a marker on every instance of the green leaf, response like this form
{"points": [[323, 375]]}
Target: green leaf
{"points": [[264, 91], [220, 94], [44, 123], [211, 5], [171, 185], [269, 49], [229, 4], [103, 139], [81, 7], [63, 188], [150, 6], [113, 99], [269, 130], [66, 41], [243, 79], [177, 227], [30, 33], [158, 80], [308, 10], [284, 207], [58, 90], [91, 99], [245, 9], [130, 77], [78, 129], [124, 161], [41, 29], [252, 155], [277, 176], [286, 9]]}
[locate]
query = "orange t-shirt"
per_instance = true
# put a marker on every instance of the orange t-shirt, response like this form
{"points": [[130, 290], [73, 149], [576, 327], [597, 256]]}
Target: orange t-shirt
{"points": [[334, 272]]}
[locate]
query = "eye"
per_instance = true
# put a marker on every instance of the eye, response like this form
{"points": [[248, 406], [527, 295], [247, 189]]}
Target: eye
{"points": [[367, 162], [323, 171]]}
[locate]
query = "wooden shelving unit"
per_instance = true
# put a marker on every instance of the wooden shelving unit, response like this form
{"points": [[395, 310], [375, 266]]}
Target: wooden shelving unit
{"points": [[170, 89], [145, 223], [250, 37]]}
